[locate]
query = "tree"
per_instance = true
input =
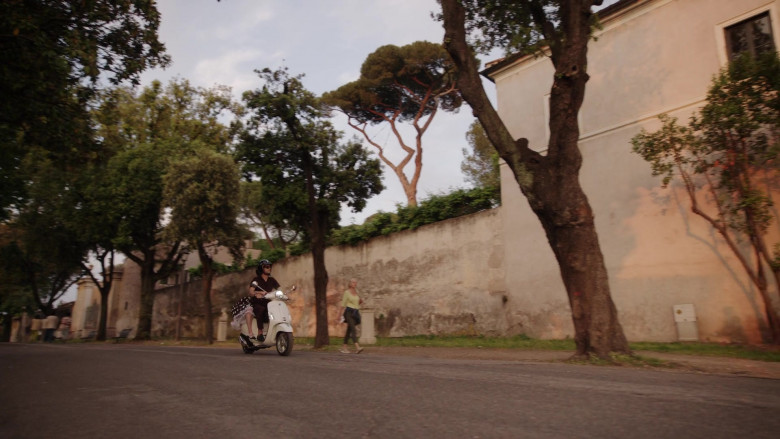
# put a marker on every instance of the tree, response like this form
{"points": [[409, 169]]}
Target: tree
{"points": [[151, 131], [39, 260], [306, 173], [202, 192], [15, 297], [396, 85], [94, 221], [729, 152], [137, 184], [40, 246], [481, 164], [53, 53], [549, 181], [258, 213]]}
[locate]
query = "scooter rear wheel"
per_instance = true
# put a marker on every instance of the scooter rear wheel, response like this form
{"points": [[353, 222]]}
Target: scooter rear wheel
{"points": [[284, 343]]}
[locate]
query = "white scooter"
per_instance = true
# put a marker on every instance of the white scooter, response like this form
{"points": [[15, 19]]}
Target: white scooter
{"points": [[278, 331]]}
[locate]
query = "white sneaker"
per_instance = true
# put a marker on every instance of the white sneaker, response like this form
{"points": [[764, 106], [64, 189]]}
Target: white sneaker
{"points": [[344, 351]]}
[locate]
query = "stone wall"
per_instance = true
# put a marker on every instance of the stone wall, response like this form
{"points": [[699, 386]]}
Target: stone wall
{"points": [[443, 278]]}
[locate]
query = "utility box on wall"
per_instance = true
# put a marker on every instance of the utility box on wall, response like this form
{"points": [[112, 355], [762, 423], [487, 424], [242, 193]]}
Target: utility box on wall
{"points": [[685, 319]]}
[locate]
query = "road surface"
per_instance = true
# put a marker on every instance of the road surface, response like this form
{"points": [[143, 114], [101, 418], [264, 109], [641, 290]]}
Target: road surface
{"points": [[97, 390]]}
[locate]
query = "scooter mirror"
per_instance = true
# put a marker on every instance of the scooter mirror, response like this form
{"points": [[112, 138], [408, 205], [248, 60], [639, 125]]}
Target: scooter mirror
{"points": [[293, 288]]}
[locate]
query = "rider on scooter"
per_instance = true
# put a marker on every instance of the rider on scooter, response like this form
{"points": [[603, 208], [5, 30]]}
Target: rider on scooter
{"points": [[262, 284]]}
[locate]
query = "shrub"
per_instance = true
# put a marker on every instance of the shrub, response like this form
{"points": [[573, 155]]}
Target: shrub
{"points": [[433, 209]]}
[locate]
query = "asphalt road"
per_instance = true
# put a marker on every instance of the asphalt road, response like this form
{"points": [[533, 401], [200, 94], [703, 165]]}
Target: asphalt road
{"points": [[132, 391]]}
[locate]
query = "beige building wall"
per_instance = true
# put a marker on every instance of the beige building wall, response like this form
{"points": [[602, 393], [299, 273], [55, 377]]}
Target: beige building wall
{"points": [[657, 56], [86, 309], [123, 303]]}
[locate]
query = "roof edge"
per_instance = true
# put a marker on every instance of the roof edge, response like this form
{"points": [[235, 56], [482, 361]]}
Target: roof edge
{"points": [[607, 13]]}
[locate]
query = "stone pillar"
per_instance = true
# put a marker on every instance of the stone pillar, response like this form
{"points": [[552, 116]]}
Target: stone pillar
{"points": [[16, 328], [222, 326], [24, 330], [367, 335], [36, 330]]}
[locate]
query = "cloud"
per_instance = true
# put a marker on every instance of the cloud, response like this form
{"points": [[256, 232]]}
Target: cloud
{"points": [[233, 68]]}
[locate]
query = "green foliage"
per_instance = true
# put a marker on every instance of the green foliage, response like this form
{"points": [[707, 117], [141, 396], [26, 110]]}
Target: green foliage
{"points": [[149, 131], [258, 213], [735, 135], [519, 27], [289, 149], [396, 85], [41, 244], [176, 111], [136, 188], [399, 83], [433, 209], [481, 163], [53, 53], [666, 149], [202, 193], [274, 255], [300, 248]]}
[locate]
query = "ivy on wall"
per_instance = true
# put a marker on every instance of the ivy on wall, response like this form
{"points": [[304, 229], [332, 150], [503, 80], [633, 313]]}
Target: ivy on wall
{"points": [[433, 209]]}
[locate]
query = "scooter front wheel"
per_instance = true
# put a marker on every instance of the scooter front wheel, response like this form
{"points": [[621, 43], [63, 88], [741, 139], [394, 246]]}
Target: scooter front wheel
{"points": [[284, 343]]}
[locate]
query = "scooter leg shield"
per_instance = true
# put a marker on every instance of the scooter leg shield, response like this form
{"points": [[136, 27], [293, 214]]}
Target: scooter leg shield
{"points": [[282, 327]]}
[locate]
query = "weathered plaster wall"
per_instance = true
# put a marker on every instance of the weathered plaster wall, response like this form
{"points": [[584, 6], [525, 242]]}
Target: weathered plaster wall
{"points": [[439, 279]]}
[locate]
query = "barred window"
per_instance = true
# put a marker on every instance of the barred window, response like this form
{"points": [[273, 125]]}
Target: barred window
{"points": [[753, 36]]}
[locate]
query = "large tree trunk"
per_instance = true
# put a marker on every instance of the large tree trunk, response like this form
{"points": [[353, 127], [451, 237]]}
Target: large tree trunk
{"points": [[317, 232], [102, 320], [551, 183], [105, 289], [208, 277], [144, 330], [320, 292]]}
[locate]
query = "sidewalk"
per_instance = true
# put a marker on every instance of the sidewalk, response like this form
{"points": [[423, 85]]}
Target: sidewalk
{"points": [[720, 365], [690, 363]]}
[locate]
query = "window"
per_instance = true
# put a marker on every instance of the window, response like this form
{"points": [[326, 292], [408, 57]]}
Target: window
{"points": [[753, 36]]}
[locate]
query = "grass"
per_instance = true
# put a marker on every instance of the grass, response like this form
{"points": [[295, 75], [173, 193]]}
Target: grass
{"points": [[748, 352], [732, 350], [516, 342]]}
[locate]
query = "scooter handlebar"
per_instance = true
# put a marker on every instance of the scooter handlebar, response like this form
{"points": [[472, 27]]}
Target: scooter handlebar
{"points": [[278, 295]]}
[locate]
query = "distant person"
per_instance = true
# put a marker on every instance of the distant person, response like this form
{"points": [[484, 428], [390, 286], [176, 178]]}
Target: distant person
{"points": [[50, 324], [64, 327], [36, 328], [350, 314]]}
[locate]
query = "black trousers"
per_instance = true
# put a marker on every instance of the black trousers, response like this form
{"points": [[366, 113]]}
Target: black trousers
{"points": [[352, 317]]}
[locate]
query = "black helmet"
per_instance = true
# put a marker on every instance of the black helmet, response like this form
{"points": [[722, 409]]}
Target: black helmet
{"points": [[261, 264]]}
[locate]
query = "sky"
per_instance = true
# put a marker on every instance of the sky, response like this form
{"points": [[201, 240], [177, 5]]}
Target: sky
{"points": [[223, 43]]}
